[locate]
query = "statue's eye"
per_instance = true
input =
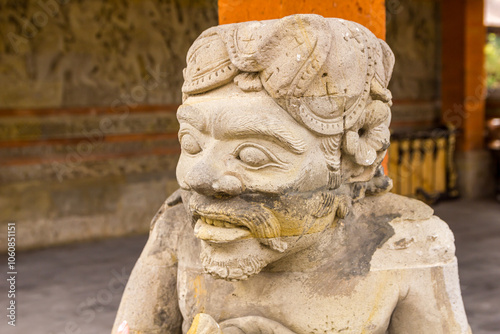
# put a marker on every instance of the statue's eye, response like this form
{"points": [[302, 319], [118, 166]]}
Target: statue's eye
{"points": [[255, 156], [189, 144]]}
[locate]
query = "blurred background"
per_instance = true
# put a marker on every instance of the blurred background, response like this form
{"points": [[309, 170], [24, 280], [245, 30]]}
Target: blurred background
{"points": [[89, 90]]}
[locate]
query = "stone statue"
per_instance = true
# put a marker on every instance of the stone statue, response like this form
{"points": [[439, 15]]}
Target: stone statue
{"points": [[283, 222]]}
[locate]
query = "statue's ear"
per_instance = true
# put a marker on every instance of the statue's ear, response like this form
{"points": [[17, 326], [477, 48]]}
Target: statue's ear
{"points": [[365, 145], [367, 141]]}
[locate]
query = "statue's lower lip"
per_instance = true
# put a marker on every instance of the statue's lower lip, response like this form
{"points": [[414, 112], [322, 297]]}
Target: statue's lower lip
{"points": [[211, 230]]}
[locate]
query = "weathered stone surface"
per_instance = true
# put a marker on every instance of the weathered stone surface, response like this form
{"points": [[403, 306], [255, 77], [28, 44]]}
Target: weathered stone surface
{"points": [[283, 223], [96, 53]]}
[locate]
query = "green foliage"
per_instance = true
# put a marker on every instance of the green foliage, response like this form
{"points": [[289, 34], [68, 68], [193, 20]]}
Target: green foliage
{"points": [[492, 53]]}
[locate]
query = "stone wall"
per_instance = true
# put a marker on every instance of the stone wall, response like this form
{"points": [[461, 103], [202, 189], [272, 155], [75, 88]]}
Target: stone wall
{"points": [[88, 93], [414, 34], [91, 52]]}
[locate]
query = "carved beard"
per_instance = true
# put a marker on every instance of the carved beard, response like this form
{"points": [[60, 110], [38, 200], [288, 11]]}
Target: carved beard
{"points": [[241, 259], [230, 267]]}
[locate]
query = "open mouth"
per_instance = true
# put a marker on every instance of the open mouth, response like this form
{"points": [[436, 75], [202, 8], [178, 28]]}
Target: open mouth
{"points": [[219, 231]]}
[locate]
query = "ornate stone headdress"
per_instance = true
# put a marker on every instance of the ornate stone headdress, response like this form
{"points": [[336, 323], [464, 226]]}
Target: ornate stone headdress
{"points": [[330, 75]]}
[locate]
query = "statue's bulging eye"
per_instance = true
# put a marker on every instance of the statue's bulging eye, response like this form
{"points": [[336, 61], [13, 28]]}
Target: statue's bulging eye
{"points": [[189, 144], [254, 156]]}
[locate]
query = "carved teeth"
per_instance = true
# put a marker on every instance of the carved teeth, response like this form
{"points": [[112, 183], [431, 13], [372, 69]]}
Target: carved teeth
{"points": [[218, 223], [215, 222]]}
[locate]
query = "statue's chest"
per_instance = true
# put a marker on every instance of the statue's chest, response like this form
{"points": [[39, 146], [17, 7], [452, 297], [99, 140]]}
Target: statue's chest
{"points": [[302, 302]]}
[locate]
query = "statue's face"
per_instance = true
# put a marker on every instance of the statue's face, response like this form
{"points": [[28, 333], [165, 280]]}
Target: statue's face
{"points": [[253, 180]]}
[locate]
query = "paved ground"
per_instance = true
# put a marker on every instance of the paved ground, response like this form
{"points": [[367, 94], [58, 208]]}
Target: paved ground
{"points": [[477, 236], [76, 289]]}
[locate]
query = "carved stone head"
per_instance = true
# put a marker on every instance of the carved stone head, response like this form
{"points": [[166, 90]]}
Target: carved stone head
{"points": [[283, 124]]}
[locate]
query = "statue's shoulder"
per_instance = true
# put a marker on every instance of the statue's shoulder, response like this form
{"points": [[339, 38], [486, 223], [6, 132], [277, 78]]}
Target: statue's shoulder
{"points": [[166, 231], [170, 221], [391, 204], [419, 238]]}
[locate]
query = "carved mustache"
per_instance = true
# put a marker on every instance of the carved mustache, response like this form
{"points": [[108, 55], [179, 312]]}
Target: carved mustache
{"points": [[260, 220]]}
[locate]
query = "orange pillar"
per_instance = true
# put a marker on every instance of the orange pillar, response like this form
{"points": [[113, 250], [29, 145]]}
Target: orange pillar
{"points": [[463, 77], [370, 13]]}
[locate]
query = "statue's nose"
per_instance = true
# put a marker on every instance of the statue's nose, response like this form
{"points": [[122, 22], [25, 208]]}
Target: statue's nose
{"points": [[228, 184], [212, 182]]}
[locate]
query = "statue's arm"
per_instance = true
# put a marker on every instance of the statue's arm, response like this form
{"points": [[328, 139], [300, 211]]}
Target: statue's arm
{"points": [[431, 302], [149, 303]]}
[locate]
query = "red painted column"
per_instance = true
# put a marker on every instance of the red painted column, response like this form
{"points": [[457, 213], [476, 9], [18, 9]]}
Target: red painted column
{"points": [[463, 76]]}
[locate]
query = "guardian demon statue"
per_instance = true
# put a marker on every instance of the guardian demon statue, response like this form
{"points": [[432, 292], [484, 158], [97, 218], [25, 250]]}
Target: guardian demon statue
{"points": [[283, 222]]}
